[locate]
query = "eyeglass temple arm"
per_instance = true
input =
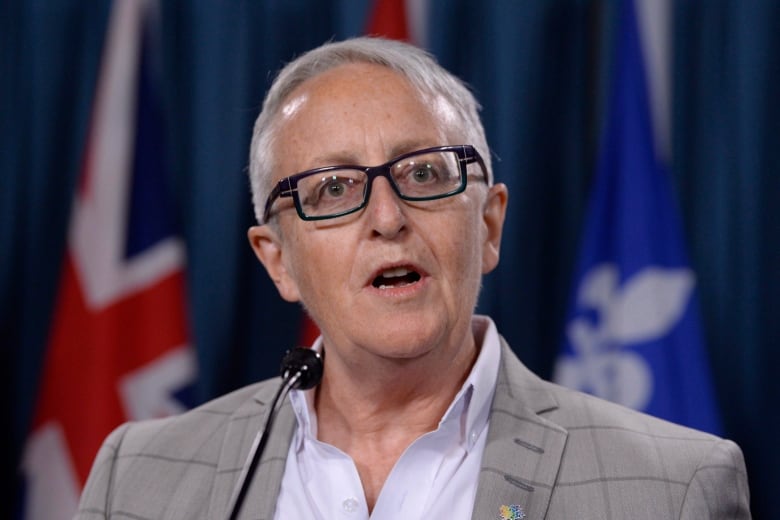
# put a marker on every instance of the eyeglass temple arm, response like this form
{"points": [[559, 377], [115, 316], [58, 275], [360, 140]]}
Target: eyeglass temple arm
{"points": [[473, 157], [282, 189]]}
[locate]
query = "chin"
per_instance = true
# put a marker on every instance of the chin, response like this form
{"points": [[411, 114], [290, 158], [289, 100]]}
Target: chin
{"points": [[402, 340]]}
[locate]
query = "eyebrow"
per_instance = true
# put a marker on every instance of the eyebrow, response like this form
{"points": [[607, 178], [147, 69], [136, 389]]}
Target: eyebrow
{"points": [[410, 146], [347, 157]]}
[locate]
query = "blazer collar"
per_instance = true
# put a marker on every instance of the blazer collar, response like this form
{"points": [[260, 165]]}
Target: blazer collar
{"points": [[523, 450], [241, 430]]}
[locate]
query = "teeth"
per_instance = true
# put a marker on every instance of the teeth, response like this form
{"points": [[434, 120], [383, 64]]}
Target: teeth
{"points": [[383, 286], [395, 272]]}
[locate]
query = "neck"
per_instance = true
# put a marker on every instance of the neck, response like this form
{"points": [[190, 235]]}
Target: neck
{"points": [[374, 411], [380, 394]]}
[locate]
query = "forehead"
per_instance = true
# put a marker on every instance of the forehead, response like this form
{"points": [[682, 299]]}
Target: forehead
{"points": [[360, 113], [355, 82]]}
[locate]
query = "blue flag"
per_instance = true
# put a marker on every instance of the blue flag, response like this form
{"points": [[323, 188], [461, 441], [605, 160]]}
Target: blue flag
{"points": [[632, 332]]}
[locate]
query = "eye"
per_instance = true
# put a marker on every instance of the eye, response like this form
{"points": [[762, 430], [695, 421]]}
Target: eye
{"points": [[335, 187], [417, 172], [423, 173]]}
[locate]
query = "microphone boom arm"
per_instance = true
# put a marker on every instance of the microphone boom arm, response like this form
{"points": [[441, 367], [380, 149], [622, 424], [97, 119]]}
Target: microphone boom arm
{"points": [[301, 369]]}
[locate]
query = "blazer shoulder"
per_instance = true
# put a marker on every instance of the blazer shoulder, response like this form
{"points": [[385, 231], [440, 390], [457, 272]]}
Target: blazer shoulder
{"points": [[615, 458], [611, 443], [199, 428], [578, 411], [704, 475], [142, 465]]}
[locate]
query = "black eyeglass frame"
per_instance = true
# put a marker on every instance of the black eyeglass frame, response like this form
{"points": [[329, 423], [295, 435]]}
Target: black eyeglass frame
{"points": [[288, 187]]}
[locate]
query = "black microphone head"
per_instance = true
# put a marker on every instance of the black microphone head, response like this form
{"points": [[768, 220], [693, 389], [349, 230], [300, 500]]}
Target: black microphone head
{"points": [[305, 361]]}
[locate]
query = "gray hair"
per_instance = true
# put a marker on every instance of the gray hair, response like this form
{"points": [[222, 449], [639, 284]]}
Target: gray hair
{"points": [[422, 71]]}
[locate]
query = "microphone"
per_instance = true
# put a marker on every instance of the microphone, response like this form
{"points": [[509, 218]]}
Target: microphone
{"points": [[302, 366], [301, 369]]}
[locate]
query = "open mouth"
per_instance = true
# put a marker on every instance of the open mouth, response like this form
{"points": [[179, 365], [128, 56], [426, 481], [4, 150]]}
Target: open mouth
{"points": [[395, 278]]}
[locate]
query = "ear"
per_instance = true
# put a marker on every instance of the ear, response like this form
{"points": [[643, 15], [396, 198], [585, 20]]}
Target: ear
{"points": [[268, 247], [493, 218]]}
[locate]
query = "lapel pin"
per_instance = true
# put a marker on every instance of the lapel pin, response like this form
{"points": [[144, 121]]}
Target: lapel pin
{"points": [[511, 512]]}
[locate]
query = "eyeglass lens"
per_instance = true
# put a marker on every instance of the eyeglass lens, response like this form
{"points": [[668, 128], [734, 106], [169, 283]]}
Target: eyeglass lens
{"points": [[422, 176]]}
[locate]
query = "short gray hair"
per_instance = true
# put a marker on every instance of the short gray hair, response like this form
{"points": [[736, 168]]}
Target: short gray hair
{"points": [[422, 71]]}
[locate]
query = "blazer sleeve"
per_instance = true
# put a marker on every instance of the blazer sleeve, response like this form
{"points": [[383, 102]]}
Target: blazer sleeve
{"points": [[96, 498], [719, 487]]}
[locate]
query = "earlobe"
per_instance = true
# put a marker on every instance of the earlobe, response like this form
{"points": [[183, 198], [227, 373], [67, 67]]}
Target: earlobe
{"points": [[493, 217], [267, 246]]}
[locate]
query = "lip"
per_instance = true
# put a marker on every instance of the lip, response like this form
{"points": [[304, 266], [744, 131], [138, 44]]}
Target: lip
{"points": [[401, 290]]}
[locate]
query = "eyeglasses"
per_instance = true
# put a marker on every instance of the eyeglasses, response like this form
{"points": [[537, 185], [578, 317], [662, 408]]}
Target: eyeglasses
{"points": [[334, 191]]}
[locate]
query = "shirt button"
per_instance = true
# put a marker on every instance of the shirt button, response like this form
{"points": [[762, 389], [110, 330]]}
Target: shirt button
{"points": [[350, 505]]}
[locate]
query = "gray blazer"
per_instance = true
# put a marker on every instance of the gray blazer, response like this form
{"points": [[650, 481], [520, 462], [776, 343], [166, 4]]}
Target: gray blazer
{"points": [[552, 452]]}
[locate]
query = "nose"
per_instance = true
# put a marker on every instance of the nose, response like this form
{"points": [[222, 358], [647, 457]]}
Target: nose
{"points": [[384, 210]]}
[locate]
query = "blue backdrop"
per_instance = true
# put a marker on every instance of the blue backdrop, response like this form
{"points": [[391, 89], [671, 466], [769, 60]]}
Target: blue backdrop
{"points": [[539, 68]]}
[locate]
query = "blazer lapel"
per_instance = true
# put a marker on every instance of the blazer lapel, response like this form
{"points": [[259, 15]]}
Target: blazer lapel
{"points": [[523, 451], [242, 429]]}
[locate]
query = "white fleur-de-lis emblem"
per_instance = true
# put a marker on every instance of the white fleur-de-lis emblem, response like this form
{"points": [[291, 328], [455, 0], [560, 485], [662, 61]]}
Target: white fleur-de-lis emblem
{"points": [[646, 307]]}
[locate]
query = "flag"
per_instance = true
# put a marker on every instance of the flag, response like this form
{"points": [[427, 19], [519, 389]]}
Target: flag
{"points": [[632, 333], [388, 19], [118, 346]]}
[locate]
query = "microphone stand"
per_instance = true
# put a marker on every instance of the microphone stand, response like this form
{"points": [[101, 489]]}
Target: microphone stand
{"points": [[301, 369]]}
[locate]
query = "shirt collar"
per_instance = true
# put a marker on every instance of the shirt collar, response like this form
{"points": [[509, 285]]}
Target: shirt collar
{"points": [[470, 407]]}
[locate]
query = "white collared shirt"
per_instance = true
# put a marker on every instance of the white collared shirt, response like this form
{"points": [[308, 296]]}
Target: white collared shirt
{"points": [[436, 477]]}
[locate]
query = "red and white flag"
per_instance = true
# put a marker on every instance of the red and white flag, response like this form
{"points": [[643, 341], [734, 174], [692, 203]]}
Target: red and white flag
{"points": [[405, 20], [118, 346], [388, 19]]}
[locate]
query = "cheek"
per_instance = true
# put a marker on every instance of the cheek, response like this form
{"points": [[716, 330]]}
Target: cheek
{"points": [[462, 255], [297, 254], [319, 268], [473, 255]]}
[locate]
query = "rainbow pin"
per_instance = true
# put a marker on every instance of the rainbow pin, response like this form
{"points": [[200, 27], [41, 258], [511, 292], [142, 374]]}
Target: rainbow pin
{"points": [[512, 512]]}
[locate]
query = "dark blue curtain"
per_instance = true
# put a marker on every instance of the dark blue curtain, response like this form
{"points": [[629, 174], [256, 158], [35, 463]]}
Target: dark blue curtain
{"points": [[537, 66]]}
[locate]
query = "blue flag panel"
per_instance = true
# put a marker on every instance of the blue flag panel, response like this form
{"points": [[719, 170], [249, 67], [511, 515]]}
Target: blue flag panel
{"points": [[632, 332]]}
